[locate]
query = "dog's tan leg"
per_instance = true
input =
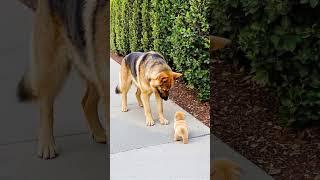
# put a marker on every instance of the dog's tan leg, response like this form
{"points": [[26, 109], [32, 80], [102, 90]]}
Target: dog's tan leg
{"points": [[162, 120], [146, 105], [49, 78], [46, 145], [90, 107], [124, 102], [138, 96], [125, 84], [47, 85], [48, 71], [102, 57]]}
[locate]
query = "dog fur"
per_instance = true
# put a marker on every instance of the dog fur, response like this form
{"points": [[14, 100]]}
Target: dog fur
{"points": [[224, 170], [151, 74], [180, 128], [68, 33]]}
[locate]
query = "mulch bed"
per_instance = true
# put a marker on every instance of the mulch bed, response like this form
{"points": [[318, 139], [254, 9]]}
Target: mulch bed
{"points": [[185, 98], [245, 117]]}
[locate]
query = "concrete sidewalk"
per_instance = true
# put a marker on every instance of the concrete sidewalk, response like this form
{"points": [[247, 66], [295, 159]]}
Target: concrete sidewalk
{"points": [[144, 153]]}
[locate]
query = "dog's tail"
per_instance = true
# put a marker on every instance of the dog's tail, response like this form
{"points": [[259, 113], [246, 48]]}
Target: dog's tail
{"points": [[24, 90], [225, 170], [117, 90]]}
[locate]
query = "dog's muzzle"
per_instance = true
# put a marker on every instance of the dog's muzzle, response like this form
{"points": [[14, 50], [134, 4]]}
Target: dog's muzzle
{"points": [[164, 98]]}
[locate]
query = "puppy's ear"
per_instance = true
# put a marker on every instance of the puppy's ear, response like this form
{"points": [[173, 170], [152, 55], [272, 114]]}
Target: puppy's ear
{"points": [[176, 75]]}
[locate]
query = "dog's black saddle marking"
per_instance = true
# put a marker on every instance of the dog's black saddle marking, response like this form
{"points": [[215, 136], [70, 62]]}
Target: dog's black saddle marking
{"points": [[71, 14], [131, 61]]}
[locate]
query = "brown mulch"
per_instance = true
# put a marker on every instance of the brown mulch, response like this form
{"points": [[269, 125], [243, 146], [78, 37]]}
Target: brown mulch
{"points": [[245, 117], [185, 98]]}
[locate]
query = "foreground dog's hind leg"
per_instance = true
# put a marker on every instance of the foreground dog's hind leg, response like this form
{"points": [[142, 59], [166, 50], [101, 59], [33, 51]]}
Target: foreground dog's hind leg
{"points": [[90, 107], [138, 96], [162, 120], [125, 84], [146, 105], [48, 70], [47, 85], [46, 145]]}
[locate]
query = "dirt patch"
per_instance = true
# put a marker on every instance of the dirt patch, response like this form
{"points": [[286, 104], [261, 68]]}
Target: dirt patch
{"points": [[245, 117], [185, 98]]}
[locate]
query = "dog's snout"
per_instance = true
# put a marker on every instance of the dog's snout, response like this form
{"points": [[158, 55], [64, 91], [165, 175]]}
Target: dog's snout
{"points": [[165, 98]]}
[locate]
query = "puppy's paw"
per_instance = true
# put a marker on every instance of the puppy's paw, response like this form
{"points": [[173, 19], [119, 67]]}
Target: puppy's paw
{"points": [[47, 149], [140, 104], [124, 109], [164, 122], [149, 122], [99, 136]]}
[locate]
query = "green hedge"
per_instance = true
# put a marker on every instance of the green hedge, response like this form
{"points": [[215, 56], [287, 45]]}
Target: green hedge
{"points": [[281, 41], [177, 29]]}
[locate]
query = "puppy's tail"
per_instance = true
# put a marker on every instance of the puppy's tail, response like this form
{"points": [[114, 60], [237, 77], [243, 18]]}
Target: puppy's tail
{"points": [[225, 170], [24, 90]]}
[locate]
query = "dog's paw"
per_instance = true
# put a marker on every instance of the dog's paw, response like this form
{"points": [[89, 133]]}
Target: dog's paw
{"points": [[140, 105], [100, 136], [149, 122], [164, 122], [47, 150], [124, 109]]}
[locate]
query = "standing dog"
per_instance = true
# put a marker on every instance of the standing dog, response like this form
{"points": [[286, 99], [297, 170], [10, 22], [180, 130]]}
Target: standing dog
{"points": [[151, 74], [68, 33]]}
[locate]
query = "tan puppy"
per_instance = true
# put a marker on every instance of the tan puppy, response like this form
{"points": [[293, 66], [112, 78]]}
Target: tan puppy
{"points": [[224, 170], [180, 128]]}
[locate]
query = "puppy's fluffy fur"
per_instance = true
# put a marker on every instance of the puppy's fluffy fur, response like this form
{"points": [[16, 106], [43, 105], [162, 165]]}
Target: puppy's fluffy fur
{"points": [[224, 170], [180, 128]]}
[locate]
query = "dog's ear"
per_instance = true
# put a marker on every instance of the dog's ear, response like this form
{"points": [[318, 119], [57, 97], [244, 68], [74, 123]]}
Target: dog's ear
{"points": [[176, 75], [159, 79], [162, 77]]}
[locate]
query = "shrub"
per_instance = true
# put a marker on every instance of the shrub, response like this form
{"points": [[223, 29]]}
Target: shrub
{"points": [[112, 27], [281, 40], [146, 40], [117, 25], [135, 27], [177, 29], [162, 21], [190, 46]]}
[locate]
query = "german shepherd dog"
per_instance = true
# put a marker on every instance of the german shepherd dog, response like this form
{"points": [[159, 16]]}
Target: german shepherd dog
{"points": [[68, 33], [151, 74]]}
